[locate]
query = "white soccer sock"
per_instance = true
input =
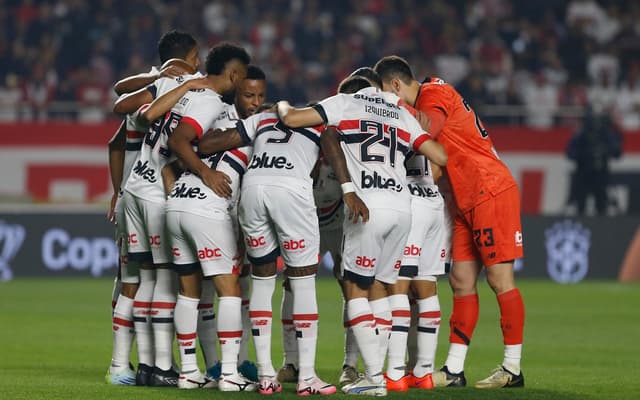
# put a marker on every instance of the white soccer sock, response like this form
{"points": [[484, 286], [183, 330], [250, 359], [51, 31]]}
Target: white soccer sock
{"points": [[363, 323], [305, 319], [261, 314], [207, 335], [122, 331], [229, 332], [115, 293], [162, 307], [428, 326], [245, 288], [401, 319], [382, 313], [289, 340], [186, 322], [350, 345], [512, 355], [142, 317], [455, 357]]}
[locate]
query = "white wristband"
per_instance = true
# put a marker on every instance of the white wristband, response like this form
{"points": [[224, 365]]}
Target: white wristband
{"points": [[348, 187]]}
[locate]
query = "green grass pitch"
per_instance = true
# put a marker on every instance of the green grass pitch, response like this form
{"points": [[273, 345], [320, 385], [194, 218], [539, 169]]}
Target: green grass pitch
{"points": [[581, 342]]}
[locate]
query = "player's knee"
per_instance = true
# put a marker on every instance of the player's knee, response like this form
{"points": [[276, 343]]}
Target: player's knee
{"points": [[264, 270], [227, 285], [300, 272], [129, 289]]}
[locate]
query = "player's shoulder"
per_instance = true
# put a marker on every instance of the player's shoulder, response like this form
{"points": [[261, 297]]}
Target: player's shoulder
{"points": [[436, 90]]}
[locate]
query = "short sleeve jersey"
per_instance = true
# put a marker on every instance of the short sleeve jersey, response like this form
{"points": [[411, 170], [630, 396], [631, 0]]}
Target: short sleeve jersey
{"points": [[474, 168], [190, 194], [198, 108], [279, 151], [375, 136], [135, 132]]}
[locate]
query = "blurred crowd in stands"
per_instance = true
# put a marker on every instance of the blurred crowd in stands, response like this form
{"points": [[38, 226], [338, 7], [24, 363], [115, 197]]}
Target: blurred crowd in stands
{"points": [[533, 62]]}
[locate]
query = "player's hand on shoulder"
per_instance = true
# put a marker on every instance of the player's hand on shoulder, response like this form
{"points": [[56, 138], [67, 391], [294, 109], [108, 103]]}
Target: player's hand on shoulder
{"points": [[172, 71], [357, 208], [217, 181]]}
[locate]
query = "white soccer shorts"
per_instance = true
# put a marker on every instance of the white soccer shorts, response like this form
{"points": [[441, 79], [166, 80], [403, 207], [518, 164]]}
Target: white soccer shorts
{"points": [[277, 220], [200, 241], [127, 274], [374, 250], [146, 235], [428, 244]]}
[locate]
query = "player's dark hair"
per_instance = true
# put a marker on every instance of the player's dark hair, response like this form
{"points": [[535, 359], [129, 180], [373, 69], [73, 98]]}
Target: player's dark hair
{"points": [[175, 44], [368, 73], [353, 84], [394, 67], [255, 73], [221, 54]]}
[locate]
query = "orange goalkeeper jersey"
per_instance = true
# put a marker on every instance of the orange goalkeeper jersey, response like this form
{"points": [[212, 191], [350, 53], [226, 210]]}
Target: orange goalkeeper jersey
{"points": [[473, 168]]}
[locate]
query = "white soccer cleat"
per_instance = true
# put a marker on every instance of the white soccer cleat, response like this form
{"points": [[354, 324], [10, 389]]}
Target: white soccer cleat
{"points": [[236, 383], [314, 385], [121, 376], [269, 385], [196, 380], [501, 378], [365, 387]]}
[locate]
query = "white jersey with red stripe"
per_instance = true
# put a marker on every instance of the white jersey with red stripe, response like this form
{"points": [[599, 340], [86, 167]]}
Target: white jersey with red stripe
{"points": [[199, 108], [375, 135], [420, 176], [328, 197], [135, 136], [190, 194], [281, 155], [228, 118]]}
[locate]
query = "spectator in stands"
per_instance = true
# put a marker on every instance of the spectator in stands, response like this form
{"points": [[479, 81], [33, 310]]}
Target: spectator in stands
{"points": [[591, 148]]}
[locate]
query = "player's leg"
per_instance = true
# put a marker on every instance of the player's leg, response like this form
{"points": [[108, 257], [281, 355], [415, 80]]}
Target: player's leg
{"points": [[262, 252], [246, 366], [428, 326], [164, 296], [289, 370], [207, 329], [401, 320], [349, 373], [139, 253], [506, 245], [185, 261], [298, 235]]}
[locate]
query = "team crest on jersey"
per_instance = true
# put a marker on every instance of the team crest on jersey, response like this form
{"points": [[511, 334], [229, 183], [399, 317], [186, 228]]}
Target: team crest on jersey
{"points": [[11, 238], [568, 246]]}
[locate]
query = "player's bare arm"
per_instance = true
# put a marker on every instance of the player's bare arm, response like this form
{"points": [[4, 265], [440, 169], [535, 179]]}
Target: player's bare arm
{"points": [[170, 69], [164, 103], [434, 151], [180, 143], [298, 117], [170, 174], [220, 140], [128, 103], [335, 157], [117, 147]]}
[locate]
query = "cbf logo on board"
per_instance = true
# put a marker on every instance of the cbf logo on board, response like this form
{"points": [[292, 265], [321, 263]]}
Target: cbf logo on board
{"points": [[568, 246], [11, 238]]}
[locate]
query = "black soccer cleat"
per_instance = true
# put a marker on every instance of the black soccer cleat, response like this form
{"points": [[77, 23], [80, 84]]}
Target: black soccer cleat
{"points": [[143, 375], [162, 378], [444, 378]]}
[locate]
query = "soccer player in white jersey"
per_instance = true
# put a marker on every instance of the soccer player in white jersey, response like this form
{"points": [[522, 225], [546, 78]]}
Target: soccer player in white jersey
{"points": [[198, 202], [277, 215], [374, 135], [425, 255], [144, 199], [248, 97], [178, 56], [226, 64]]}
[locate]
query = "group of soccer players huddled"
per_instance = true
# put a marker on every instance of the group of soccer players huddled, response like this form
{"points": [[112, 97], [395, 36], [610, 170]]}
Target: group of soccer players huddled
{"points": [[396, 179]]}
